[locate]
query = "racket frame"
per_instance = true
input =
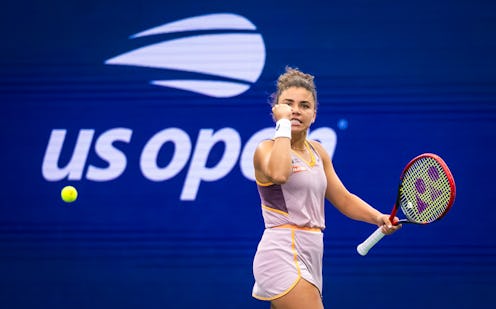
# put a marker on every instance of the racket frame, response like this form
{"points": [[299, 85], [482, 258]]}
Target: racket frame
{"points": [[377, 235]]}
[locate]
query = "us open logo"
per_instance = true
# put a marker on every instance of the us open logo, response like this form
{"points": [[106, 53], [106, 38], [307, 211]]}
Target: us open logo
{"points": [[229, 61], [226, 56]]}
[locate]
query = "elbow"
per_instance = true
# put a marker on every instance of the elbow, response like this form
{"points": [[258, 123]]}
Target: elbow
{"points": [[280, 178], [279, 173]]}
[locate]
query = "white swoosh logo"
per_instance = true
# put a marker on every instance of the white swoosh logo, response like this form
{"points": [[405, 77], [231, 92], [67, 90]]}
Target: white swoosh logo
{"points": [[204, 22], [236, 56]]}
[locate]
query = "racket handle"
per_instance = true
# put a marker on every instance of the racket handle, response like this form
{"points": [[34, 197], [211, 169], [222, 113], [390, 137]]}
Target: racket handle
{"points": [[374, 238]]}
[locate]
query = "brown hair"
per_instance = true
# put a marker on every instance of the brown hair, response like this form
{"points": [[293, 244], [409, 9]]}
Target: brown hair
{"points": [[294, 78]]}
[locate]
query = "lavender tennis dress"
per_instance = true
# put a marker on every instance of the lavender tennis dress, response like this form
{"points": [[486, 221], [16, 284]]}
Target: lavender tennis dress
{"points": [[294, 251]]}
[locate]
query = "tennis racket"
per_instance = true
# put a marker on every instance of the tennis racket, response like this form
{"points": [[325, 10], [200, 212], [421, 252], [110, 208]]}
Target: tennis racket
{"points": [[426, 193]]}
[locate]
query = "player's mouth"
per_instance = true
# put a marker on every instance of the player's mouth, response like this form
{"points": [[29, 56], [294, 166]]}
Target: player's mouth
{"points": [[296, 122]]}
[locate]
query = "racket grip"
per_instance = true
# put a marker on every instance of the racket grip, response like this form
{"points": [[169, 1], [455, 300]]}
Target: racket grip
{"points": [[374, 238]]}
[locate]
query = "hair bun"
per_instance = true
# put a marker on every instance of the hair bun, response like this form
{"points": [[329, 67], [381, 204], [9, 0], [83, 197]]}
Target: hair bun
{"points": [[293, 77]]}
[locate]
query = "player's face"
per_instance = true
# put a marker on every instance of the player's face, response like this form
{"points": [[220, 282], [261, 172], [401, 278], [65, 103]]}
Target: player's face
{"points": [[302, 104]]}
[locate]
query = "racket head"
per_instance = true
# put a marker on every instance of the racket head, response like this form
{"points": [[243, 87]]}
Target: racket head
{"points": [[427, 189]]}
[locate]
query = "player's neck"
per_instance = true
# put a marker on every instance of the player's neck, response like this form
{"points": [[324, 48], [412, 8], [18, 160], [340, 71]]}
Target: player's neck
{"points": [[298, 145]]}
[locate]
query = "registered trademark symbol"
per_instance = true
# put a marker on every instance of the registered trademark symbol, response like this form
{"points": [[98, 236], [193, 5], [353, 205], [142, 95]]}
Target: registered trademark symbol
{"points": [[343, 124]]}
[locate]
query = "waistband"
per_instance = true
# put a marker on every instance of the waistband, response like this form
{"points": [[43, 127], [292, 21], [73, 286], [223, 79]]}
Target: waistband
{"points": [[296, 227]]}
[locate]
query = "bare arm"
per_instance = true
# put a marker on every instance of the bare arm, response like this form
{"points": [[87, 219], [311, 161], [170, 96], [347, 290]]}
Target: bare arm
{"points": [[272, 161], [348, 203]]}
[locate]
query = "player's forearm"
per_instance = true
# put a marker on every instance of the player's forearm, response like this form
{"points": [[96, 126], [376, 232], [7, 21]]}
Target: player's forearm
{"points": [[359, 210]]}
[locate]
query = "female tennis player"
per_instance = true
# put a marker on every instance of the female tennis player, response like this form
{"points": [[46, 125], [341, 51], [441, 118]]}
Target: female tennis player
{"points": [[294, 177]]}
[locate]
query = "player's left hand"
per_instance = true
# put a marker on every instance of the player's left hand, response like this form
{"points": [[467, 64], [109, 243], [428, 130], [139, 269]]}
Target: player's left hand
{"points": [[386, 225]]}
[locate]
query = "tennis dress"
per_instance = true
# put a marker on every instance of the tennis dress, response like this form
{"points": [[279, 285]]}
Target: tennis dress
{"points": [[291, 247]]}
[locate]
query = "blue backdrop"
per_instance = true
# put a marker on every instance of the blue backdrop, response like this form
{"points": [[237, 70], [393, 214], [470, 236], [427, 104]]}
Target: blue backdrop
{"points": [[156, 130]]}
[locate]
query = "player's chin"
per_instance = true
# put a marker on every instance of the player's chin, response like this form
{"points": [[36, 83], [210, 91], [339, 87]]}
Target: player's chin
{"points": [[298, 128]]}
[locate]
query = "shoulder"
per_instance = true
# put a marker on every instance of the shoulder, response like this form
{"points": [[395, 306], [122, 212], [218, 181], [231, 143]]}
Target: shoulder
{"points": [[320, 149], [324, 155], [264, 146], [259, 157], [266, 143]]}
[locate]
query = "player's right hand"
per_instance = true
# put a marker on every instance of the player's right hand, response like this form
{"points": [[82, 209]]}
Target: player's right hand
{"points": [[280, 111]]}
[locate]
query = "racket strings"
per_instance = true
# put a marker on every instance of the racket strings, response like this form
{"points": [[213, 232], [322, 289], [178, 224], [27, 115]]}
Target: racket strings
{"points": [[426, 191]]}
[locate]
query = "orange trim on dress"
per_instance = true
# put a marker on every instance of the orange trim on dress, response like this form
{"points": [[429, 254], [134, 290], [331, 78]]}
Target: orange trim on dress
{"points": [[263, 184], [296, 227], [275, 210], [313, 160], [298, 271]]}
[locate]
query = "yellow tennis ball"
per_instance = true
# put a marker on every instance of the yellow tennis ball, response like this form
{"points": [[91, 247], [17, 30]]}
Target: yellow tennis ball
{"points": [[69, 194]]}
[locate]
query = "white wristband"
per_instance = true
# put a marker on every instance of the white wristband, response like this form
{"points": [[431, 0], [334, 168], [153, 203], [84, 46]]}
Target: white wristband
{"points": [[283, 128]]}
